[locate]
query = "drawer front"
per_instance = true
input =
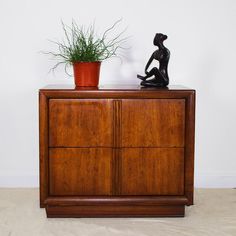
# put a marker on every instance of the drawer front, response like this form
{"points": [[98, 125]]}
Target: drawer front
{"points": [[80, 123], [80, 171], [153, 123], [152, 171]]}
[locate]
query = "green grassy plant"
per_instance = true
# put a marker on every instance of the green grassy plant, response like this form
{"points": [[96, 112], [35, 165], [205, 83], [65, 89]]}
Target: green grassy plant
{"points": [[83, 45]]}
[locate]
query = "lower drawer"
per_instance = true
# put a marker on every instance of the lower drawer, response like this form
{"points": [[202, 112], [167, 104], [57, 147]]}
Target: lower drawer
{"points": [[152, 171], [101, 171], [80, 171]]}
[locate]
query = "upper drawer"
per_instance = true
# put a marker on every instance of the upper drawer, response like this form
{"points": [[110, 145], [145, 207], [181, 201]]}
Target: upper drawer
{"points": [[80, 123], [153, 123]]}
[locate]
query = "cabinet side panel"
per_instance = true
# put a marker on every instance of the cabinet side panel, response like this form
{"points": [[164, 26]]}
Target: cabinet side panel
{"points": [[152, 171], [43, 147], [189, 149]]}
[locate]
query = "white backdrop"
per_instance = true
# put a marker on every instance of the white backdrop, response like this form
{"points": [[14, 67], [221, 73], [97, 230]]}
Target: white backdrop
{"points": [[202, 41]]}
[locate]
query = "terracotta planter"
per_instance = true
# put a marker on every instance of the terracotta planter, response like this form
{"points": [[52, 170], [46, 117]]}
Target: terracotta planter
{"points": [[86, 74]]}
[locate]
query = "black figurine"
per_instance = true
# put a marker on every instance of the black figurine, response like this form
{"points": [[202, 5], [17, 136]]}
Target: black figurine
{"points": [[162, 54]]}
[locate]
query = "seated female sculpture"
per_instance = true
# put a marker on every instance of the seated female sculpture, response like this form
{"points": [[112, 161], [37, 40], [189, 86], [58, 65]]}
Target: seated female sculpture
{"points": [[161, 78]]}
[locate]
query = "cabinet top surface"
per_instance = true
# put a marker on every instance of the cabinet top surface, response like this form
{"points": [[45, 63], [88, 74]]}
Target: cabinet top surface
{"points": [[68, 87]]}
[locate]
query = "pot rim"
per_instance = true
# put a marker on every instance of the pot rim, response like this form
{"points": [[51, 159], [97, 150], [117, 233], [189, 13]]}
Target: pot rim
{"points": [[86, 62]]}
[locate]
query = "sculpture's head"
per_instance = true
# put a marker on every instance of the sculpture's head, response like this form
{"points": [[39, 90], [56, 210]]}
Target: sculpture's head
{"points": [[159, 38]]}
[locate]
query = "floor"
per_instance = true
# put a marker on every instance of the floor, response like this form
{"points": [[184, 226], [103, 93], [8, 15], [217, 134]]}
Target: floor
{"points": [[214, 213]]}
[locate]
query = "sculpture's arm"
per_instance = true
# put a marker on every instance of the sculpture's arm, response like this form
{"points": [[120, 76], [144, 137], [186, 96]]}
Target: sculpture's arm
{"points": [[148, 63]]}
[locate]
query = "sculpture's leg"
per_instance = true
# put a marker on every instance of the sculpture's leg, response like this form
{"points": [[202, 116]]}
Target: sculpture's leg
{"points": [[152, 72], [155, 71], [149, 83], [158, 81], [159, 77], [149, 74], [141, 77]]}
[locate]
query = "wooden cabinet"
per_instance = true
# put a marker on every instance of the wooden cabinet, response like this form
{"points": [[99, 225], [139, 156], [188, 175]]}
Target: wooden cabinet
{"points": [[116, 151]]}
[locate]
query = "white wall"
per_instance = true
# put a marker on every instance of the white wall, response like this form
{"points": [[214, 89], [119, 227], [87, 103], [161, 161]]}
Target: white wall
{"points": [[202, 36]]}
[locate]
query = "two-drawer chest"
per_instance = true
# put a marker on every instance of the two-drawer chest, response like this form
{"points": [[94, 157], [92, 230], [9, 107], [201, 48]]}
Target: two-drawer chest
{"points": [[116, 151]]}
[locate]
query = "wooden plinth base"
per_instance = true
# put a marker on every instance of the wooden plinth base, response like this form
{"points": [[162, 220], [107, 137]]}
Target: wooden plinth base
{"points": [[114, 211], [115, 206]]}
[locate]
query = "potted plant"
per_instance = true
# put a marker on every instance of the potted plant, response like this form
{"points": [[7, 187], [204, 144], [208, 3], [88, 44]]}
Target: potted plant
{"points": [[85, 51]]}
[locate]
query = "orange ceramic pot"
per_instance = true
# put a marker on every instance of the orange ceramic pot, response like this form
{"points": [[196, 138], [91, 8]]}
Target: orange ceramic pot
{"points": [[86, 74]]}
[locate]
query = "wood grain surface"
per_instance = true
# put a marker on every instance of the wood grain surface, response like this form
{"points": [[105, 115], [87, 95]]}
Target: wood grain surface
{"points": [[152, 171], [80, 171], [80, 123], [153, 122]]}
